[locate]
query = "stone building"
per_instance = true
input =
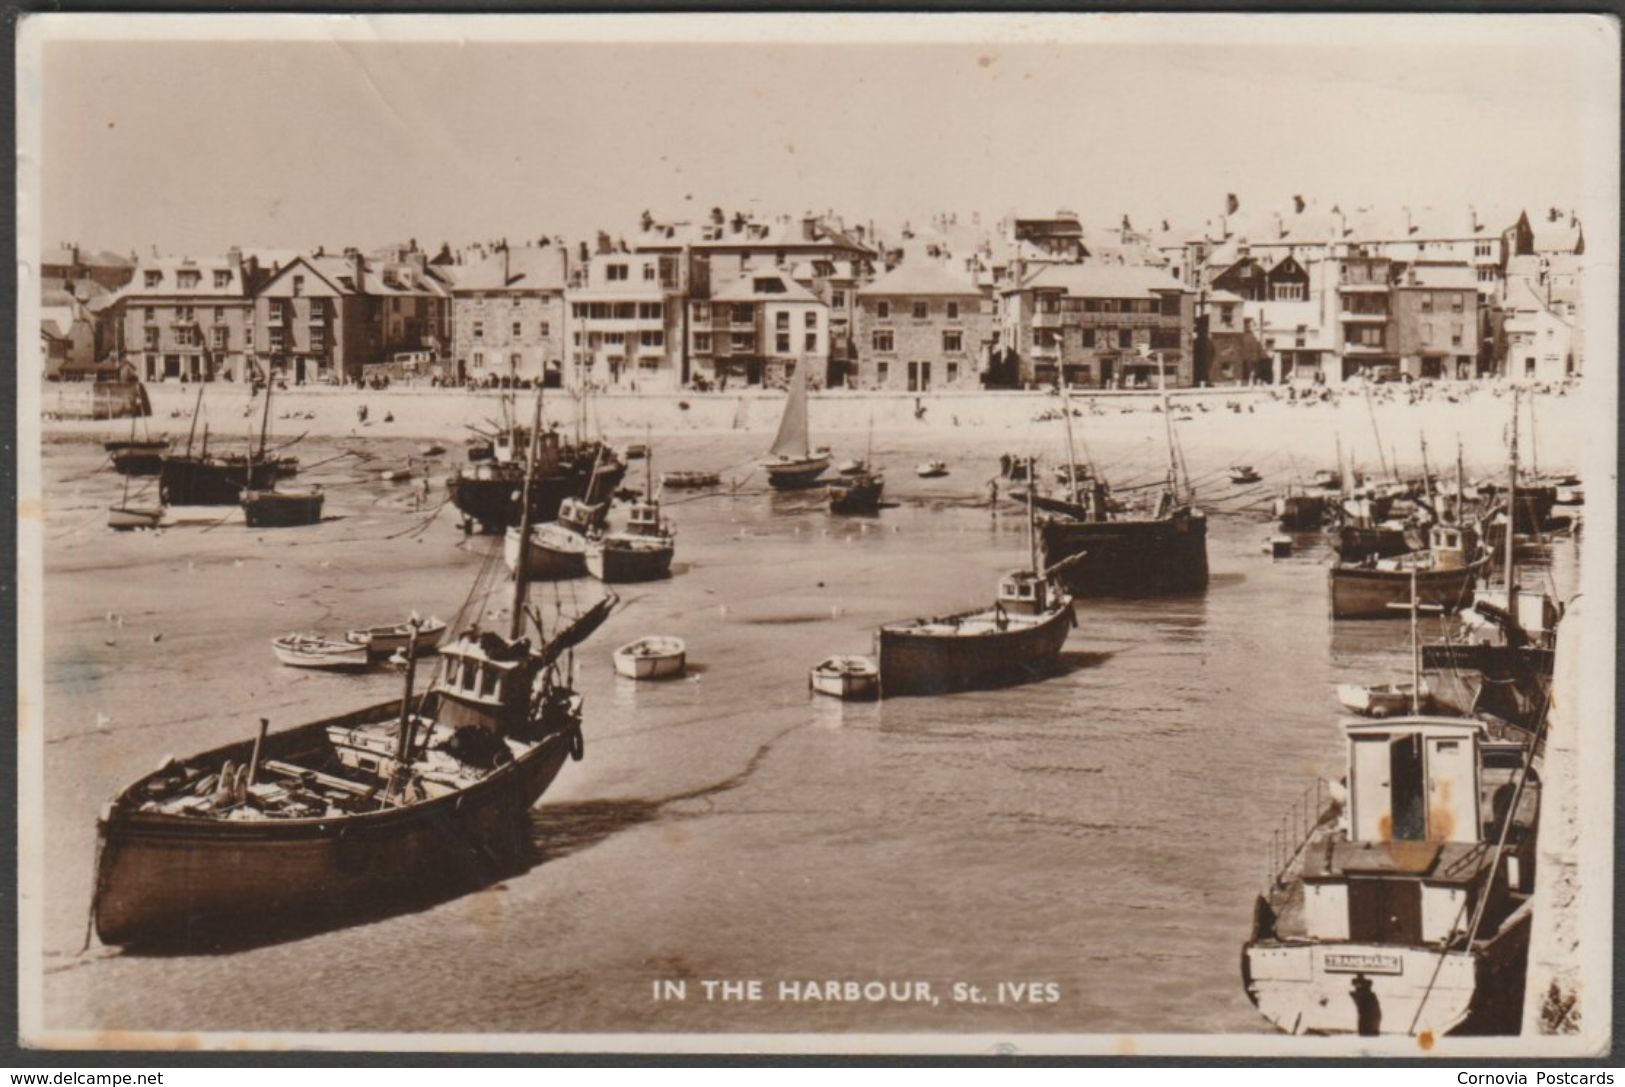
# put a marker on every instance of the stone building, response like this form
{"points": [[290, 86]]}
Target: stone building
{"points": [[756, 329], [1107, 326], [183, 318], [626, 322], [508, 316], [920, 327]]}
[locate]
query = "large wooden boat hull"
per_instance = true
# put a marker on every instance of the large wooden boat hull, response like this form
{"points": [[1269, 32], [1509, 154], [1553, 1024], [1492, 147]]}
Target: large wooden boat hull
{"points": [[200, 481], [175, 879], [282, 509], [859, 494], [611, 563], [1129, 557], [1301, 512], [137, 458], [490, 497], [1361, 593], [1305, 987], [915, 663], [556, 553], [789, 475]]}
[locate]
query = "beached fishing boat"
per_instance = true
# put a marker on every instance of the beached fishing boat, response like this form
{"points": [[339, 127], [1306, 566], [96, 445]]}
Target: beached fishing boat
{"points": [[432, 449], [345, 816], [137, 458], [391, 638], [689, 480], [558, 549], [1299, 511], [185, 479], [282, 509], [850, 678], [319, 652], [931, 469], [1016, 640], [1155, 549], [855, 466], [1243, 474], [641, 552], [395, 475], [1443, 573], [487, 491], [856, 494], [792, 463], [124, 517], [653, 657], [1407, 912]]}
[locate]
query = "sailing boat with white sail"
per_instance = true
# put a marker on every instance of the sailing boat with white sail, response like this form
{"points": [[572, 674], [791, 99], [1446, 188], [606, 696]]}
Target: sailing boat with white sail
{"points": [[791, 463]]}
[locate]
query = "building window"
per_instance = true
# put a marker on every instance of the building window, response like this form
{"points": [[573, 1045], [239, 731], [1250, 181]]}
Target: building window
{"points": [[518, 330], [1288, 292], [318, 309], [1369, 337], [318, 339], [298, 286], [781, 320], [152, 337], [1086, 337], [1457, 303], [882, 340], [543, 330], [1125, 337], [185, 315], [187, 281], [479, 360], [809, 319], [649, 271], [652, 337], [276, 339], [922, 310], [153, 279], [953, 371], [1455, 335], [1427, 302], [812, 342], [1481, 249], [781, 343], [394, 305], [882, 371], [953, 315], [248, 336], [478, 331], [514, 360], [615, 272], [702, 343], [651, 311], [1227, 316], [837, 299], [742, 315], [219, 336], [1486, 275], [883, 310], [149, 315], [702, 313], [953, 341], [743, 341]]}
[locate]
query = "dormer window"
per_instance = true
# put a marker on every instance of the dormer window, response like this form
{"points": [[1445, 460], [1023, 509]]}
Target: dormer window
{"points": [[187, 280], [153, 278], [298, 286], [222, 279]]}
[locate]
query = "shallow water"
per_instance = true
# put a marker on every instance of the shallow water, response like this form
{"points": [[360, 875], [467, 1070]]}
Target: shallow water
{"points": [[1104, 831]]}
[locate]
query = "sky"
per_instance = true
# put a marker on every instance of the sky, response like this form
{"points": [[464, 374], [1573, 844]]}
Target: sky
{"points": [[192, 146]]}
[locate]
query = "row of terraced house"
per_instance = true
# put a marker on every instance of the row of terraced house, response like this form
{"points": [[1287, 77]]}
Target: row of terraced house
{"points": [[731, 301]]}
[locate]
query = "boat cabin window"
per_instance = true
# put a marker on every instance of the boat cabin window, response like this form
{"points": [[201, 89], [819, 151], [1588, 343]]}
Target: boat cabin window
{"points": [[488, 682], [1413, 787], [369, 765], [470, 670]]}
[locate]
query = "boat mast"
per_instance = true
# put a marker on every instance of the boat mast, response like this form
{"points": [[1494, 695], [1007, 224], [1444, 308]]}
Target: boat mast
{"points": [[1071, 453], [521, 573], [403, 735], [1375, 433], [1032, 521], [1427, 476], [1512, 509], [197, 409], [1416, 651], [1461, 486], [265, 419], [1168, 424], [1342, 481]]}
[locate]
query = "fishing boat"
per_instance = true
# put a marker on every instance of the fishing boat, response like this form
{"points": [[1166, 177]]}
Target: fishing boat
{"points": [[282, 509], [319, 652], [856, 494], [1409, 911], [1157, 548], [792, 463], [185, 479], [124, 517], [487, 491], [431, 449], [1327, 480], [350, 814], [637, 451], [137, 458], [1300, 511], [653, 657], [395, 475], [1018, 639], [931, 469], [558, 549], [849, 678], [856, 466], [1380, 588], [391, 638], [1241, 474], [640, 552], [690, 480]]}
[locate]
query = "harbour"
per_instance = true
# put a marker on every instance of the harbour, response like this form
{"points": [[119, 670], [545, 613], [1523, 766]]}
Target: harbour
{"points": [[1083, 830]]}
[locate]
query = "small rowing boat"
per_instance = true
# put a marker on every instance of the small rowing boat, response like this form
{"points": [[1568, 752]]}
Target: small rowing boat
{"points": [[690, 480], [319, 652], [848, 678], [1383, 699], [129, 518], [931, 469], [654, 657], [381, 641]]}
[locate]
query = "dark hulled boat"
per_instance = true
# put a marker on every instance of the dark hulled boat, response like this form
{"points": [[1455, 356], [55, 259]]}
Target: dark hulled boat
{"points": [[487, 491], [640, 552], [1381, 588], [1297, 511], [202, 480], [1016, 640], [339, 817], [1130, 556], [856, 493], [137, 458], [282, 509]]}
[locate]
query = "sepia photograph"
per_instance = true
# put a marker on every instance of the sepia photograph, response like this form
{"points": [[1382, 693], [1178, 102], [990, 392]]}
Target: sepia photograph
{"points": [[945, 534]]}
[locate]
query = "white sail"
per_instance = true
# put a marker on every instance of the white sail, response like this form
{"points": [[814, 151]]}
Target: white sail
{"points": [[791, 441]]}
